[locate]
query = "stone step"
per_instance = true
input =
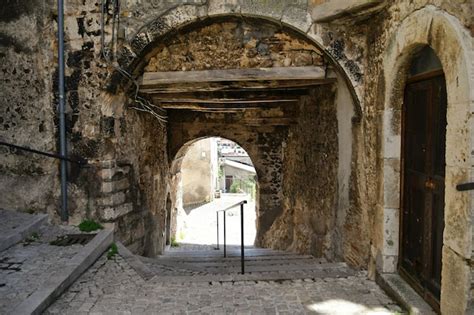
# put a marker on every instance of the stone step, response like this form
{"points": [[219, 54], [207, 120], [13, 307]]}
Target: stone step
{"points": [[324, 272], [230, 253], [248, 262], [267, 267], [237, 258]]}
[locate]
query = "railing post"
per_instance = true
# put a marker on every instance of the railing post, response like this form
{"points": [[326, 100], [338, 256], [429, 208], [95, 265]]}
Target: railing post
{"points": [[242, 259], [217, 220], [225, 249]]}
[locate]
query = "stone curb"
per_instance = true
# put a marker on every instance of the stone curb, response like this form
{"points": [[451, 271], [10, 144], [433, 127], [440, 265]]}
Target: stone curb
{"points": [[61, 280], [402, 293], [22, 233], [135, 262]]}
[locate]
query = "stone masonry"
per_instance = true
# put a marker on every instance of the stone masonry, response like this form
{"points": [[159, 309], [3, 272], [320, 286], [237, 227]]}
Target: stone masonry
{"points": [[328, 169]]}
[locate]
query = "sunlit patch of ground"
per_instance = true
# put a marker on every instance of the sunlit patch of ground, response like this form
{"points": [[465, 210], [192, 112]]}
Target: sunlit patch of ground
{"points": [[199, 226]]}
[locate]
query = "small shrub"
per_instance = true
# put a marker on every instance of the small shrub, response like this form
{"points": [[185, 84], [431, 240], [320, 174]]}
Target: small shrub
{"points": [[113, 250], [235, 187], [30, 239], [89, 226], [173, 242]]}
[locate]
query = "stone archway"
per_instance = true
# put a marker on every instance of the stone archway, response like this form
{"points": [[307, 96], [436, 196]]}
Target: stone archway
{"points": [[448, 39], [313, 133]]}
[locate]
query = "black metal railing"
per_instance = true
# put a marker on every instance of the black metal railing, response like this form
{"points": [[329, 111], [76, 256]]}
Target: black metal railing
{"points": [[48, 154], [242, 252], [465, 186]]}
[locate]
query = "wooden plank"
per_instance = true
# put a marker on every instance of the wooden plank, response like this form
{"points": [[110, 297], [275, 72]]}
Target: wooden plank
{"points": [[234, 75], [258, 122], [149, 88], [275, 93], [213, 106], [164, 102]]}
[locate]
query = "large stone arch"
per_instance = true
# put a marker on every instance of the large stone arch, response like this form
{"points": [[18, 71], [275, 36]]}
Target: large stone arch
{"points": [[134, 55], [336, 101], [450, 41], [268, 163]]}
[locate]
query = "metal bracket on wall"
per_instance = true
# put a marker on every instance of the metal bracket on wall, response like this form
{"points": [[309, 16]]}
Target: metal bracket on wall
{"points": [[465, 186]]}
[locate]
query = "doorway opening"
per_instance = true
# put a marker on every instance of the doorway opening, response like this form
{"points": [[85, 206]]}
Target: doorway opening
{"points": [[214, 174], [423, 175]]}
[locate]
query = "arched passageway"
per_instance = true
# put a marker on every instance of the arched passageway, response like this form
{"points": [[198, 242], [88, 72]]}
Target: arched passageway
{"points": [[274, 91], [270, 90]]}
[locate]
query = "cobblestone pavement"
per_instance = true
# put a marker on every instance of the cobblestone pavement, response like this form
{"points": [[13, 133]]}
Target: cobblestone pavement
{"points": [[113, 287], [26, 265]]}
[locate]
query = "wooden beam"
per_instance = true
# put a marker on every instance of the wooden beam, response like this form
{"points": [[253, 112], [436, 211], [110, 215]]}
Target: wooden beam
{"points": [[232, 79], [292, 93], [234, 75], [178, 101], [181, 105], [231, 86]]}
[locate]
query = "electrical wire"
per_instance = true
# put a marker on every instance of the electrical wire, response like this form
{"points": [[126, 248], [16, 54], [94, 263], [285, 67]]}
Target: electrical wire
{"points": [[143, 104]]}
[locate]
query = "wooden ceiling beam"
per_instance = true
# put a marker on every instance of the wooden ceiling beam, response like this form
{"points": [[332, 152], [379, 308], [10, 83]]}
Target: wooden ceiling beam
{"points": [[232, 79], [227, 106]]}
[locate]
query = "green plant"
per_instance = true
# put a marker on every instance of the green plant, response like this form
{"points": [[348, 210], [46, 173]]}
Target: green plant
{"points": [[235, 187], [113, 250], [173, 242], [30, 239], [89, 226]]}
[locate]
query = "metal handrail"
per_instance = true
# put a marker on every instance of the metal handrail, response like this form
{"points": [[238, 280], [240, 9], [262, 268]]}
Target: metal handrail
{"points": [[465, 186], [242, 253], [48, 154], [233, 206]]}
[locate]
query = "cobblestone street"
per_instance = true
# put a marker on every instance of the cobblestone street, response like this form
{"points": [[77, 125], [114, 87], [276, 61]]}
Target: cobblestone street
{"points": [[114, 287], [26, 265]]}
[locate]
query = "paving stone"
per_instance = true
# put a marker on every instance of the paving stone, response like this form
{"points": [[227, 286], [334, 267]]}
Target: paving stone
{"points": [[113, 286], [26, 265]]}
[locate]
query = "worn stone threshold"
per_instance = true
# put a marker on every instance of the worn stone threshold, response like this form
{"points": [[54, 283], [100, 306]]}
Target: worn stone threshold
{"points": [[403, 293]]}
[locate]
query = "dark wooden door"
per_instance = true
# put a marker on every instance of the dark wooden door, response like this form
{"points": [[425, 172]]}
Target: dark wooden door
{"points": [[423, 184]]}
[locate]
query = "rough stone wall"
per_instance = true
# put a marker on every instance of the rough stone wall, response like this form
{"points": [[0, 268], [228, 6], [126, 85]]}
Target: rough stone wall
{"points": [[233, 45], [119, 185], [27, 181], [310, 179]]}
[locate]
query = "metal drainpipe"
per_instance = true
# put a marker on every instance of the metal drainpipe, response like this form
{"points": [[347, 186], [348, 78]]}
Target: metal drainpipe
{"points": [[62, 118]]}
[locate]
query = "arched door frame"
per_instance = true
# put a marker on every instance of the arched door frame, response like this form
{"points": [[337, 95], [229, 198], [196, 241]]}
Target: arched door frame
{"points": [[447, 37]]}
